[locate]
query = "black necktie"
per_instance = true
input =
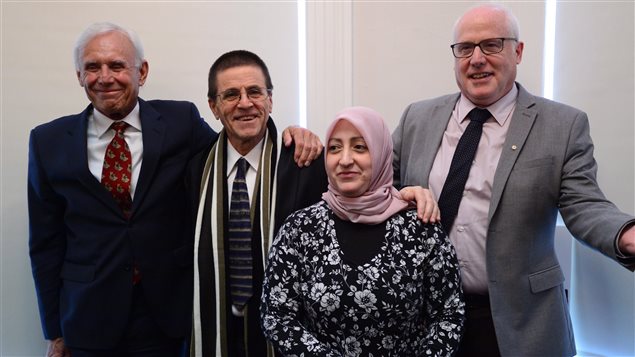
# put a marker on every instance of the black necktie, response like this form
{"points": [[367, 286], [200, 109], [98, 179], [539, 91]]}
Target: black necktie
{"points": [[240, 258], [452, 192]]}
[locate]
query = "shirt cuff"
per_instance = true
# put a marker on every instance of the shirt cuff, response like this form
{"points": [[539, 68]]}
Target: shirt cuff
{"points": [[621, 257]]}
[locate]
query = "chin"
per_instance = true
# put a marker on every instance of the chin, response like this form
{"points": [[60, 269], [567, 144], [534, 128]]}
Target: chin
{"points": [[480, 99], [351, 193]]}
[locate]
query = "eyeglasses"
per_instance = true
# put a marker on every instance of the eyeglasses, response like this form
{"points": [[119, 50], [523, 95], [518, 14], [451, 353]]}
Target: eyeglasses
{"points": [[255, 94], [488, 46]]}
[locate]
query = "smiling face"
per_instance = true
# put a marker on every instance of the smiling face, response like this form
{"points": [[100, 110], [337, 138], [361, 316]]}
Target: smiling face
{"points": [[484, 79], [245, 121], [109, 75], [348, 161]]}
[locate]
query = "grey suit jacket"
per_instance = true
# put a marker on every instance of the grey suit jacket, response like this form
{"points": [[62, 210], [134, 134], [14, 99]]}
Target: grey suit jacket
{"points": [[546, 165]]}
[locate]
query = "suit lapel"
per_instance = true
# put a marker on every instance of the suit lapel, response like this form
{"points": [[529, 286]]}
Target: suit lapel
{"points": [[520, 126], [433, 136], [78, 159], [438, 127], [153, 129]]}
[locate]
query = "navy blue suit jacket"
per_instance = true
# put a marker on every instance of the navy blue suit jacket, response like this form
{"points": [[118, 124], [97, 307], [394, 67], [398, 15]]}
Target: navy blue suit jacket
{"points": [[81, 245]]}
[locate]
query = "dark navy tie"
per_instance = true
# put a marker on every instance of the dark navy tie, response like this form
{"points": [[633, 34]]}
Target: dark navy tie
{"points": [[452, 192], [240, 257]]}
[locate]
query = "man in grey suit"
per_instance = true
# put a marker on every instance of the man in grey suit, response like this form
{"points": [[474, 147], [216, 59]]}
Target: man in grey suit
{"points": [[534, 157]]}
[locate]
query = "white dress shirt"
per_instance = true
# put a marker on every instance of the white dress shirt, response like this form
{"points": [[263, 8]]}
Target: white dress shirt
{"points": [[99, 136], [253, 158]]}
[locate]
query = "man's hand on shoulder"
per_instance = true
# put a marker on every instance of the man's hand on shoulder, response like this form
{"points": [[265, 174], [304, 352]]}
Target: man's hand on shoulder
{"points": [[57, 348], [307, 145], [427, 207]]}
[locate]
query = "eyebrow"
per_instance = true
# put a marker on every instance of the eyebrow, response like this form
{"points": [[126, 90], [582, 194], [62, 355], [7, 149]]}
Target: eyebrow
{"points": [[246, 87], [353, 138], [110, 63]]}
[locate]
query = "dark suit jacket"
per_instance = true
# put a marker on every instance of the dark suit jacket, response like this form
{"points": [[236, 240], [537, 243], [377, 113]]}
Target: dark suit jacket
{"points": [[296, 188], [546, 165], [82, 247]]}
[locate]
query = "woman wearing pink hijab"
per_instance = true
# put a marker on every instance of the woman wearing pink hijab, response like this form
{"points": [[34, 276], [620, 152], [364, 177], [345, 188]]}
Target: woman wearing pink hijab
{"points": [[359, 273]]}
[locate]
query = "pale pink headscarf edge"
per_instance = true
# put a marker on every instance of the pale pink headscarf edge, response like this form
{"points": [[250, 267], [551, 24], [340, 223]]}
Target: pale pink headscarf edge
{"points": [[381, 200]]}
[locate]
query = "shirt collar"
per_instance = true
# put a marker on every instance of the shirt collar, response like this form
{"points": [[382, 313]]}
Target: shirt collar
{"points": [[252, 157], [501, 110], [102, 122]]}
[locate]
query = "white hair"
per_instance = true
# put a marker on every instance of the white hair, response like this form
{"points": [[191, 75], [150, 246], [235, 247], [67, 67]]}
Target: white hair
{"points": [[100, 28]]}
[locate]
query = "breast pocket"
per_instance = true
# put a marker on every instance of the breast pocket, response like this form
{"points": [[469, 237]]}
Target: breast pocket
{"points": [[534, 163], [534, 177]]}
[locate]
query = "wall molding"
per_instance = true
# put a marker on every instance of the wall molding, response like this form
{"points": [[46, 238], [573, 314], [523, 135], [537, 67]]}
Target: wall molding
{"points": [[329, 61]]}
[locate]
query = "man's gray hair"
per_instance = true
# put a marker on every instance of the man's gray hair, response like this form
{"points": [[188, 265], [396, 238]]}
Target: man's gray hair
{"points": [[100, 28]]}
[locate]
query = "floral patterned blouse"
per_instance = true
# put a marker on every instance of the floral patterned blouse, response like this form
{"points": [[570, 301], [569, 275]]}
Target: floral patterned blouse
{"points": [[405, 301]]}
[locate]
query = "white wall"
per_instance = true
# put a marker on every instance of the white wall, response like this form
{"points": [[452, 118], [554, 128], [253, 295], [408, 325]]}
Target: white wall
{"points": [[381, 54], [181, 41]]}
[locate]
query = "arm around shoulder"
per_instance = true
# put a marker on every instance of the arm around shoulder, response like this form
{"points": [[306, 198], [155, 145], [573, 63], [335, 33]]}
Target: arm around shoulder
{"points": [[203, 135]]}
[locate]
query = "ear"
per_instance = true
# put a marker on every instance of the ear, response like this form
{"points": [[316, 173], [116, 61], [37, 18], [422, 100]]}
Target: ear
{"points": [[270, 103], [143, 72], [79, 78], [519, 52], [213, 106]]}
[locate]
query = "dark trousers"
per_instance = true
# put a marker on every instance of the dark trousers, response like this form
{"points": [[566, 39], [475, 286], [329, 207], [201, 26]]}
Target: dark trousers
{"points": [[236, 336], [143, 337], [479, 339]]}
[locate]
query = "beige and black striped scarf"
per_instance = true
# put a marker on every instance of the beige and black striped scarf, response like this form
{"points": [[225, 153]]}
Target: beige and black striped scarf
{"points": [[266, 190]]}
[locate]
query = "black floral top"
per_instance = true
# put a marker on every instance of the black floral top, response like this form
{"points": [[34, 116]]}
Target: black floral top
{"points": [[405, 301]]}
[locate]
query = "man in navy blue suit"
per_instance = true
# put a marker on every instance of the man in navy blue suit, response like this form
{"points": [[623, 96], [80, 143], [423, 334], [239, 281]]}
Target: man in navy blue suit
{"points": [[115, 281]]}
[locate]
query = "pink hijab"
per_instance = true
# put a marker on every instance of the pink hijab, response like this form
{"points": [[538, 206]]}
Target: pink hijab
{"points": [[381, 200]]}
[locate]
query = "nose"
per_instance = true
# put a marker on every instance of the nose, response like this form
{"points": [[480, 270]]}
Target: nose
{"points": [[244, 101], [105, 74], [347, 158], [478, 57]]}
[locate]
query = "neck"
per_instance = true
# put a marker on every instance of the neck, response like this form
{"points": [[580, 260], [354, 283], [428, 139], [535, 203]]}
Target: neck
{"points": [[244, 147]]}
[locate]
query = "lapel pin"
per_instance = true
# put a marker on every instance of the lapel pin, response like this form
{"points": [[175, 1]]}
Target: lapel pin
{"points": [[514, 147]]}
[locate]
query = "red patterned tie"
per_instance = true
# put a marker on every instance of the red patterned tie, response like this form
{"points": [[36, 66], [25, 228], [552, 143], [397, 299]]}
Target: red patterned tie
{"points": [[116, 175], [117, 171]]}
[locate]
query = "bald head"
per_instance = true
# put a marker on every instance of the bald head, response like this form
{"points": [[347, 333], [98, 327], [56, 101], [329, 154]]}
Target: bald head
{"points": [[487, 73], [490, 14]]}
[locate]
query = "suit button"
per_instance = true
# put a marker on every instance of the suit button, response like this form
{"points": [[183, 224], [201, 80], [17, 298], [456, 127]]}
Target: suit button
{"points": [[126, 268]]}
